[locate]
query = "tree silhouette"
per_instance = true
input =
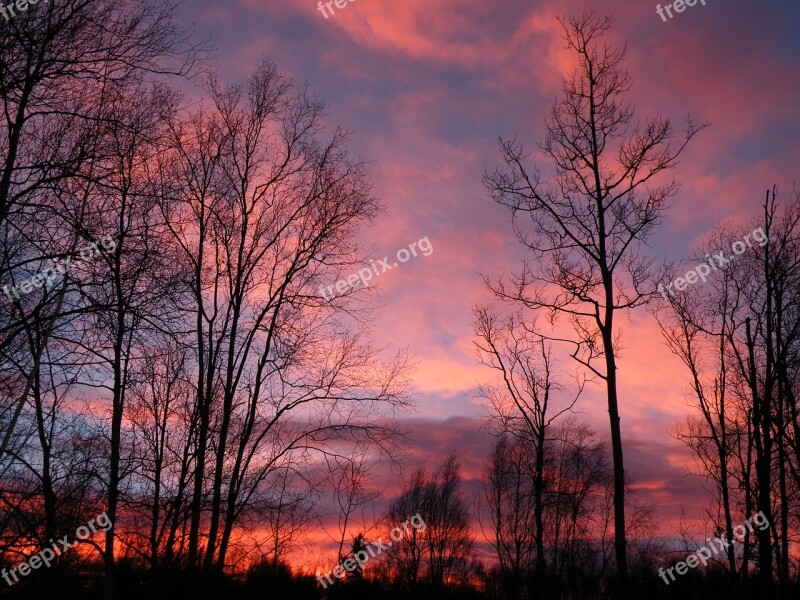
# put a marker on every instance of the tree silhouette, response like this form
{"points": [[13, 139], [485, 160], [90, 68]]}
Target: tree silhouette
{"points": [[583, 228]]}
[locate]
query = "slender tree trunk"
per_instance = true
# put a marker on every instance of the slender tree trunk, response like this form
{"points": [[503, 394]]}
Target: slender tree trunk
{"points": [[607, 329], [723, 458], [203, 400], [784, 398], [48, 495], [783, 535], [199, 476], [763, 446], [620, 543], [176, 511], [120, 368], [539, 511]]}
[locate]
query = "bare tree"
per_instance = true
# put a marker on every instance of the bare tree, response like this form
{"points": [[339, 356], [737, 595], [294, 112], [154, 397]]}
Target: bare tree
{"points": [[697, 333], [739, 336], [405, 557], [579, 477], [509, 507], [584, 229], [447, 527], [160, 411], [262, 209], [348, 477], [523, 403], [442, 551], [60, 66], [287, 510]]}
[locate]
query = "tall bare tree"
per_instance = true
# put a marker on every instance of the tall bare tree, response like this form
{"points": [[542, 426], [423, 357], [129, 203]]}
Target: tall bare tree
{"points": [[584, 228], [262, 208]]}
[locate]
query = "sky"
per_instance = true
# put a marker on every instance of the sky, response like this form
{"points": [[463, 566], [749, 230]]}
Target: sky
{"points": [[426, 88]]}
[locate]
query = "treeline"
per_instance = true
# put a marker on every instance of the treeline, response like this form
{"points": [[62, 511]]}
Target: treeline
{"points": [[186, 379]]}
